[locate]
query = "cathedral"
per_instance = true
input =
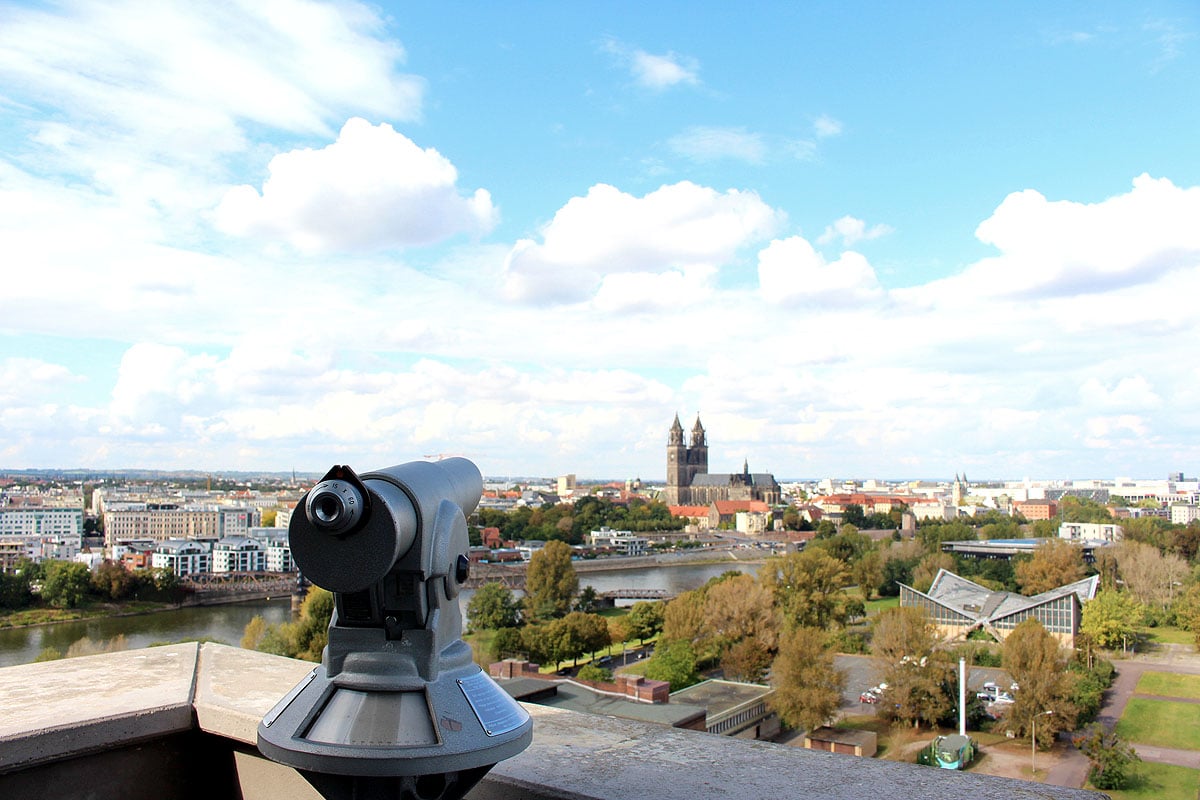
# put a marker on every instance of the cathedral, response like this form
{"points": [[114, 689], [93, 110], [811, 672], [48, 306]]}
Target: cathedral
{"points": [[689, 482]]}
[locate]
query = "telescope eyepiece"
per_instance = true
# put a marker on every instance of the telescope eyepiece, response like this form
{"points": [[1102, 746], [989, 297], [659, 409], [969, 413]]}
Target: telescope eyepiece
{"points": [[334, 506]]}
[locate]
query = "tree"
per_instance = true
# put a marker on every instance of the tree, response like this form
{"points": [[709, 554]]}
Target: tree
{"points": [[1110, 618], [492, 607], [808, 689], [588, 601], [580, 633], [112, 580], [507, 643], [644, 620], [1111, 757], [807, 587], [66, 584], [746, 660], [1055, 563], [737, 610], [1150, 575], [675, 663], [550, 581], [683, 617], [591, 672], [905, 644], [1033, 659], [305, 638], [868, 573]]}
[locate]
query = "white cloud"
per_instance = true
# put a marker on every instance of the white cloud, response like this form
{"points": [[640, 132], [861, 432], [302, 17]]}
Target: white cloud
{"points": [[1133, 392], [790, 269], [852, 230], [149, 95], [657, 72], [825, 126], [372, 188], [705, 144], [677, 228]]}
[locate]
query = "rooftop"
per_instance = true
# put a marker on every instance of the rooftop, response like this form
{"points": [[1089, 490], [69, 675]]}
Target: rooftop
{"points": [[181, 721]]}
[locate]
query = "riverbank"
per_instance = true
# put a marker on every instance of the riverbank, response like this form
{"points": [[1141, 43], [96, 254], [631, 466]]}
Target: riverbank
{"points": [[37, 617], [677, 559]]}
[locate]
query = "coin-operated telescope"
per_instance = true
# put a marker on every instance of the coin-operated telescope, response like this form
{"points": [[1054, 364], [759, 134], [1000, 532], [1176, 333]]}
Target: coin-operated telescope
{"points": [[397, 709]]}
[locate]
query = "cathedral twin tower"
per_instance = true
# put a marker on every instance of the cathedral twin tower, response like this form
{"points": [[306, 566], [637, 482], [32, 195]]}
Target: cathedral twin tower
{"points": [[689, 482]]}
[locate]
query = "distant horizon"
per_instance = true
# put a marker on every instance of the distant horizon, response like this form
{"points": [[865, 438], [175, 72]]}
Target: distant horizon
{"points": [[315, 474]]}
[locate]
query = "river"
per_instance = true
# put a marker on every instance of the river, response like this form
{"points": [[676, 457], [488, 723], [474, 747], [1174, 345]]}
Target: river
{"points": [[225, 623]]}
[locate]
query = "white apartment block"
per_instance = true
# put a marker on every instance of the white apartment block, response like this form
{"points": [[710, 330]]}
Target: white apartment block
{"points": [[42, 523], [1091, 531], [182, 557], [752, 522], [1183, 513], [238, 554], [624, 542], [279, 557]]}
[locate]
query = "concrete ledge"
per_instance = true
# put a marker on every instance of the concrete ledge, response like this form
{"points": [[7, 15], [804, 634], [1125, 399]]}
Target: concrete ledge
{"points": [[583, 757], [235, 688], [58, 711], [61, 709]]}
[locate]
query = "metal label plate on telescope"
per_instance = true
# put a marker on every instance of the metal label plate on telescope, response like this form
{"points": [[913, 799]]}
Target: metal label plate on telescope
{"points": [[497, 712]]}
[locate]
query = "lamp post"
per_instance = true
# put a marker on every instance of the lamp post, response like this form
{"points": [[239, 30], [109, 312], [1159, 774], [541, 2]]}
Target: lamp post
{"points": [[1033, 741]]}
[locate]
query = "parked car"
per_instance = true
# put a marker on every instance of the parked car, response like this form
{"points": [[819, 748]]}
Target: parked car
{"points": [[868, 696], [991, 693]]}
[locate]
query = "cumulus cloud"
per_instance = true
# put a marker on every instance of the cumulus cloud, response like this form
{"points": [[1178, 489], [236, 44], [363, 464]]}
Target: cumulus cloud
{"points": [[1066, 248], [852, 230], [656, 72], [714, 144], [790, 269], [371, 188], [682, 228], [1133, 392]]}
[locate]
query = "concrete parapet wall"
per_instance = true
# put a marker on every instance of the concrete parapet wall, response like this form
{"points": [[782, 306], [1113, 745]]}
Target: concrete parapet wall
{"points": [[97, 727]]}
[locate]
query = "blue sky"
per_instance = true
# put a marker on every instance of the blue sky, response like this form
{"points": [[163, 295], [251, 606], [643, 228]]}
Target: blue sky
{"points": [[856, 239]]}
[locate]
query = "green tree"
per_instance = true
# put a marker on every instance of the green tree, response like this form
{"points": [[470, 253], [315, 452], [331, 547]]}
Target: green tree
{"points": [[66, 584], [588, 601], [675, 663], [808, 689], [507, 643], [1055, 563], [306, 637], [807, 587], [550, 582], [1111, 758], [492, 607], [868, 573], [1111, 618], [1033, 658], [578, 633], [113, 581], [644, 620], [591, 672], [905, 645]]}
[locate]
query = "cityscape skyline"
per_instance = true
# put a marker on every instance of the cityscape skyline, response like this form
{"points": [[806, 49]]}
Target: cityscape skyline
{"points": [[856, 240]]}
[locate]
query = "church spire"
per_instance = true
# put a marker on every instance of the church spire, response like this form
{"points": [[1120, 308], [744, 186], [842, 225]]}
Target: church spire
{"points": [[698, 433], [675, 436]]}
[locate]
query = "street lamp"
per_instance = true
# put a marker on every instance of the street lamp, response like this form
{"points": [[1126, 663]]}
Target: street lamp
{"points": [[1033, 741]]}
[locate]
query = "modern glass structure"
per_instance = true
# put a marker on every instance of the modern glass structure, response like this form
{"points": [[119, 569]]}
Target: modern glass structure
{"points": [[958, 606]]}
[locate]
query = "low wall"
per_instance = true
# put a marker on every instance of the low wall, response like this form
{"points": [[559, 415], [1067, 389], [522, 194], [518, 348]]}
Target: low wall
{"points": [[96, 726]]}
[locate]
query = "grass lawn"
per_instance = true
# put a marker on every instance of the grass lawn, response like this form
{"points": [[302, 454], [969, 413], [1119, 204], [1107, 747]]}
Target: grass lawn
{"points": [[1168, 635], [1159, 782], [1169, 684], [881, 603], [1160, 722]]}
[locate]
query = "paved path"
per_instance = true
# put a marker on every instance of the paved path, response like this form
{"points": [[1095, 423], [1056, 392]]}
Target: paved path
{"points": [[1072, 768]]}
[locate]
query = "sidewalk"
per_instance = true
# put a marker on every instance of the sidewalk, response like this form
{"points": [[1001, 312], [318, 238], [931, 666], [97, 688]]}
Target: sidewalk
{"points": [[1072, 768]]}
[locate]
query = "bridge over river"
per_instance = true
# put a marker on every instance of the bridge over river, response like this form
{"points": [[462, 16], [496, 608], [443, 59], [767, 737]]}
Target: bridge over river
{"points": [[513, 578]]}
